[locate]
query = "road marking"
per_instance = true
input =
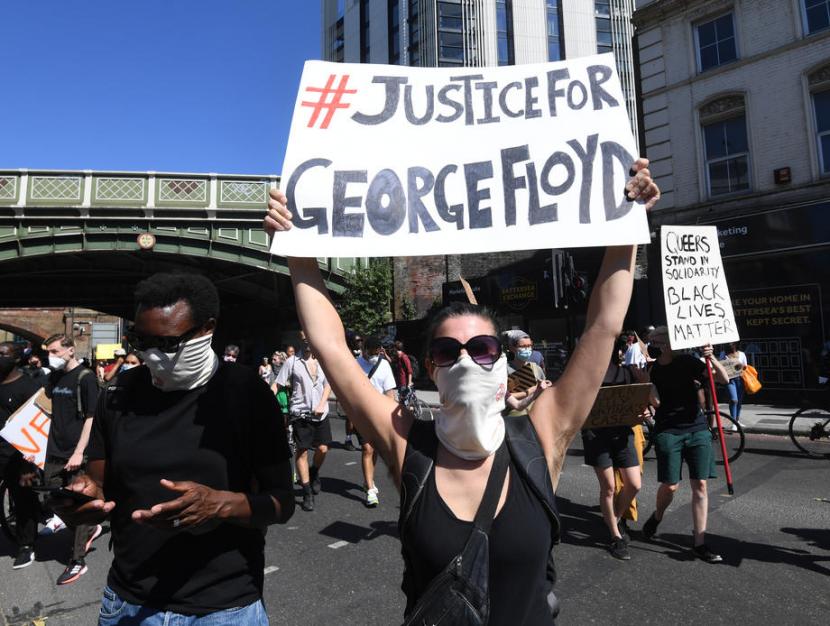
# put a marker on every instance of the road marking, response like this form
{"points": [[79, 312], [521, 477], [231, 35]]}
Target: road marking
{"points": [[271, 569], [338, 544], [352, 463]]}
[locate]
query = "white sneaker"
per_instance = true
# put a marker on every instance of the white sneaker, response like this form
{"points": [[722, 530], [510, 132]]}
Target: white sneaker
{"points": [[372, 497], [53, 525], [734, 428]]}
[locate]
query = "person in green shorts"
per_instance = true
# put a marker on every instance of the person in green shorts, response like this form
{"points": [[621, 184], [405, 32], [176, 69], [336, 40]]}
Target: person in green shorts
{"points": [[682, 434]]}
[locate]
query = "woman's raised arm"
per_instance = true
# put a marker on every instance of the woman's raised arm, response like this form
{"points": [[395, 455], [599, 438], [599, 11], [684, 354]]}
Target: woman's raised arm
{"points": [[377, 417]]}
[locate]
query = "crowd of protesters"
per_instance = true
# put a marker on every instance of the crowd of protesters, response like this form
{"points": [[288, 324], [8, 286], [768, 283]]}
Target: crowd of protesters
{"points": [[187, 452]]}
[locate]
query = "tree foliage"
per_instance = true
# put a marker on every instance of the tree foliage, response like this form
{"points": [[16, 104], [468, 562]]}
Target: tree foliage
{"points": [[364, 305]]}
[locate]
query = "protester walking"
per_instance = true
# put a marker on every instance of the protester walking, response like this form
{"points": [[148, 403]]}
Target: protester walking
{"points": [[470, 464], [191, 467], [74, 392], [380, 375], [309, 390], [735, 386], [15, 390], [681, 433]]}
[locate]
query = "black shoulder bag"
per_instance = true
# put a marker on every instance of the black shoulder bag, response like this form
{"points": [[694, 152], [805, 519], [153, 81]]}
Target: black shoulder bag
{"points": [[460, 594]]}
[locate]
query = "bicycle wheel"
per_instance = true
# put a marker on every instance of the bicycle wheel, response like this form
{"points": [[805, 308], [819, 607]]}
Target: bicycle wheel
{"points": [[424, 410], [7, 516], [733, 434], [810, 432]]}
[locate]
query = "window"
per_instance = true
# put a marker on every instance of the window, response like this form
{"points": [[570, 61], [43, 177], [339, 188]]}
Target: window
{"points": [[504, 31], [716, 42], [450, 34], [727, 156], [414, 34], [365, 48], [816, 15], [602, 18], [555, 40], [821, 109], [394, 32]]}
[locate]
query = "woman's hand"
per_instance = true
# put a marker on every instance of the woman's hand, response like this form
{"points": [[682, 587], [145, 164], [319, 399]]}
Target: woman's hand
{"points": [[640, 186], [278, 217]]}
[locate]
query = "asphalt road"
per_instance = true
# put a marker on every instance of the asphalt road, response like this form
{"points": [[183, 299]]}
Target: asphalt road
{"points": [[341, 563]]}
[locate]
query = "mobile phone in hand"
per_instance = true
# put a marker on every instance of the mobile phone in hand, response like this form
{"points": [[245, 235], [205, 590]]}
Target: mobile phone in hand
{"points": [[59, 493]]}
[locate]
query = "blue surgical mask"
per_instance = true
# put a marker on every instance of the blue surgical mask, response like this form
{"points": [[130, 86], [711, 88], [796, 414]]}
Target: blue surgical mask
{"points": [[524, 353]]}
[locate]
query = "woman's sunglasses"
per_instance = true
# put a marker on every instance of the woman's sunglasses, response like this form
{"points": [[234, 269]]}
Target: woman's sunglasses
{"points": [[165, 343], [483, 349]]}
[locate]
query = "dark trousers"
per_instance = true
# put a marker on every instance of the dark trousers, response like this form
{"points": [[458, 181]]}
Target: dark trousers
{"points": [[26, 506], [55, 476]]}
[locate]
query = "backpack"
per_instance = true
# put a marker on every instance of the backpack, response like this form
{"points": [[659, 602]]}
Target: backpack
{"points": [[416, 367], [528, 458]]}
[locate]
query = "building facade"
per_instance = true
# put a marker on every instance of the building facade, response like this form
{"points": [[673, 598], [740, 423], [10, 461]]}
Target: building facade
{"points": [[736, 123], [470, 33]]}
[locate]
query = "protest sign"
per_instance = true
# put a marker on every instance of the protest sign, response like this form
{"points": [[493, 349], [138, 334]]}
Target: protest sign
{"points": [[106, 351], [622, 405], [397, 161], [28, 429], [521, 379], [698, 307], [733, 367]]}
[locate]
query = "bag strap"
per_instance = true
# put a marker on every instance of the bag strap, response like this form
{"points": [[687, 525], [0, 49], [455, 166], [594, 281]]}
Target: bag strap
{"points": [[374, 368], [492, 492]]}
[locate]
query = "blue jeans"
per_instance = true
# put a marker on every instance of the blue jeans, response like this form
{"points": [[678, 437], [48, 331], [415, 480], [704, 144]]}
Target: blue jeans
{"points": [[115, 611], [736, 396]]}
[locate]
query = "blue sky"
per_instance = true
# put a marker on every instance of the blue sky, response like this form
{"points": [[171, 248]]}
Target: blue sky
{"points": [[164, 85]]}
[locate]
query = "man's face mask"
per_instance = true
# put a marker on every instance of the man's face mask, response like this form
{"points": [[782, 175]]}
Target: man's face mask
{"points": [[191, 366]]}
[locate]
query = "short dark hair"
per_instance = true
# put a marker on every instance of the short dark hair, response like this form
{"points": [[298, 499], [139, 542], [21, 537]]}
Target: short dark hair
{"points": [[232, 348], [66, 341], [166, 289], [460, 309], [372, 342]]}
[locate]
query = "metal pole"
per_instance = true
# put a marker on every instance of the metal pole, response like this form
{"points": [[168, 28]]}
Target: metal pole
{"points": [[714, 402]]}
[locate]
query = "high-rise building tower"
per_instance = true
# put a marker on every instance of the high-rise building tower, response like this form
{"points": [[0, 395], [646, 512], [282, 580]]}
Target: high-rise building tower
{"points": [[469, 33]]}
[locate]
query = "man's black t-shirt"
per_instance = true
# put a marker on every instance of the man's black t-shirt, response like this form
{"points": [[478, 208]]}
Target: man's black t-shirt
{"points": [[13, 395], [678, 384], [67, 423], [226, 435]]}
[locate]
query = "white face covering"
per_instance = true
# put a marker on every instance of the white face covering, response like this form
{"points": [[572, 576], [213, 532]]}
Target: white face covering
{"points": [[469, 423], [57, 363], [192, 366]]}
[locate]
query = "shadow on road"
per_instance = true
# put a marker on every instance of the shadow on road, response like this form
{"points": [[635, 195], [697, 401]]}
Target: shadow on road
{"points": [[353, 533], [819, 537], [786, 454], [735, 551], [582, 525]]}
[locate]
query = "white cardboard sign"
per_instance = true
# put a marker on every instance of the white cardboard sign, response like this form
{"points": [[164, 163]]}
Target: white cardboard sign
{"points": [[698, 307], [28, 430], [396, 161]]}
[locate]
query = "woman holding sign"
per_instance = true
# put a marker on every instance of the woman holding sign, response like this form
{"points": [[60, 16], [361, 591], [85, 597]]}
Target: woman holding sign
{"points": [[478, 512]]}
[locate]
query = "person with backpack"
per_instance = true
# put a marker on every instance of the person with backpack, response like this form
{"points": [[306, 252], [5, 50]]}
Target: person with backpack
{"points": [[478, 515], [74, 392], [401, 366]]}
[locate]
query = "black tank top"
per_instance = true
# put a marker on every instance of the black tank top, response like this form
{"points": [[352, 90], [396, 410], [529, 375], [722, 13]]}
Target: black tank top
{"points": [[520, 541]]}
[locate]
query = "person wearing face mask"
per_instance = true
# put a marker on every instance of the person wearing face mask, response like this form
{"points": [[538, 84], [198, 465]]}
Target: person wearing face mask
{"points": [[681, 433], [521, 346], [15, 390], [231, 353], [74, 393], [471, 473], [380, 374], [190, 464]]}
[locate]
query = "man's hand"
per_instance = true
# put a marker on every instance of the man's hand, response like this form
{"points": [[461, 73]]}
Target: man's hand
{"points": [[88, 513], [278, 217], [641, 187], [196, 505], [75, 462]]}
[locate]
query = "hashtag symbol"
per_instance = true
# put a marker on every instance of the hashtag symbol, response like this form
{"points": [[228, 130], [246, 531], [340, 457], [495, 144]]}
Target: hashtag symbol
{"points": [[330, 106]]}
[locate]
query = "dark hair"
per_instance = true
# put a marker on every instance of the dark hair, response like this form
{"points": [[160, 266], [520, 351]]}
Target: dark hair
{"points": [[460, 309], [399, 345], [372, 342], [232, 349], [620, 345], [16, 349], [166, 289], [66, 342]]}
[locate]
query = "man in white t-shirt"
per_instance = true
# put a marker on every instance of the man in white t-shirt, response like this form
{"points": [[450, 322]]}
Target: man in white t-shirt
{"points": [[309, 390], [380, 375]]}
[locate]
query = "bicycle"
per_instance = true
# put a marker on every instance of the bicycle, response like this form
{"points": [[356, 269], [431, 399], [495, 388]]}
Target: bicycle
{"points": [[810, 431], [420, 410], [7, 516], [733, 433]]}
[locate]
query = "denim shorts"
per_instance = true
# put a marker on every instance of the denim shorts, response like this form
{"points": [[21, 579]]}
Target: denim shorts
{"points": [[115, 611]]}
